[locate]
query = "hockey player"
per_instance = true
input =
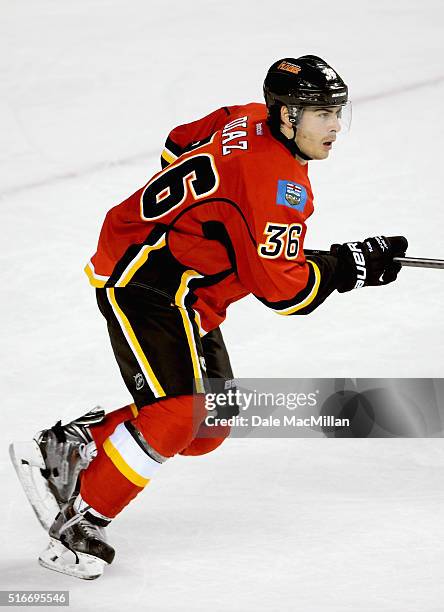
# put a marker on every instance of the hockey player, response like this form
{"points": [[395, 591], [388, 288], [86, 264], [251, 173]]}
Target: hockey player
{"points": [[224, 218]]}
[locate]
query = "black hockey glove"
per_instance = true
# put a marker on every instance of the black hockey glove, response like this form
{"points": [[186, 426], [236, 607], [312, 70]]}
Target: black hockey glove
{"points": [[368, 263]]}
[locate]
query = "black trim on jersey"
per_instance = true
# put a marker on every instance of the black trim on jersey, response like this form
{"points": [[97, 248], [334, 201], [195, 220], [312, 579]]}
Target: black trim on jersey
{"points": [[178, 150], [153, 236], [175, 150], [206, 281], [327, 265], [216, 230], [162, 273], [196, 144], [173, 147], [160, 229], [207, 201], [299, 297]]}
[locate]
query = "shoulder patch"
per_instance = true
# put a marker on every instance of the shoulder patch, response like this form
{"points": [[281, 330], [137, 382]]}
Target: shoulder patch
{"points": [[292, 195]]}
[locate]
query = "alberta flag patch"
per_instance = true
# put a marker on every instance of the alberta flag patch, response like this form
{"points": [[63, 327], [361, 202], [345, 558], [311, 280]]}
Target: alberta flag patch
{"points": [[292, 195]]}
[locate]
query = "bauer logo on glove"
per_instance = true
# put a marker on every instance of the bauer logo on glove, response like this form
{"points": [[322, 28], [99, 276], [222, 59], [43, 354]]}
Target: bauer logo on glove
{"points": [[368, 263]]}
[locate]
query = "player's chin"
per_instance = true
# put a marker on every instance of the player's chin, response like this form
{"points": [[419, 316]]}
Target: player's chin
{"points": [[322, 153]]}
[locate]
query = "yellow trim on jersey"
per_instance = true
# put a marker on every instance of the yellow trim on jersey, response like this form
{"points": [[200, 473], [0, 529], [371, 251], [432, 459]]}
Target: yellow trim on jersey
{"points": [[131, 338], [134, 410], [310, 297], [138, 261], [180, 301], [95, 279], [122, 465], [168, 156]]}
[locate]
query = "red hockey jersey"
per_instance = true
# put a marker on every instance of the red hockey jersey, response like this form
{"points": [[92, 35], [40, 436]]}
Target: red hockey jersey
{"points": [[224, 218]]}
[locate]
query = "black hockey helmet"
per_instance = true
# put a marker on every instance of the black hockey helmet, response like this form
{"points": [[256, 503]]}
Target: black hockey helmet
{"points": [[304, 81]]}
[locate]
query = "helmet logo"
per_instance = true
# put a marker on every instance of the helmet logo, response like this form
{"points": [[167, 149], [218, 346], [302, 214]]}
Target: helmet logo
{"points": [[330, 74], [289, 67]]}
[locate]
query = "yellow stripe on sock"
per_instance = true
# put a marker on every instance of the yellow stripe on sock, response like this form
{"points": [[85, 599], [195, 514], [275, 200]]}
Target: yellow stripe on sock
{"points": [[122, 465]]}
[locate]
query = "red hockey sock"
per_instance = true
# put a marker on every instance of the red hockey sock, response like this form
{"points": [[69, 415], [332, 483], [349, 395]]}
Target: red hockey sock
{"points": [[129, 457], [101, 431], [207, 440]]}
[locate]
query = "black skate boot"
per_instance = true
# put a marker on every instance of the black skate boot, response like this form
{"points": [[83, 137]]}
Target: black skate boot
{"points": [[49, 465], [77, 545]]}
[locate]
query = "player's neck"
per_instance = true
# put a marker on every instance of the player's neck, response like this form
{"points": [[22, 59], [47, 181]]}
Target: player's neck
{"points": [[288, 135], [284, 137]]}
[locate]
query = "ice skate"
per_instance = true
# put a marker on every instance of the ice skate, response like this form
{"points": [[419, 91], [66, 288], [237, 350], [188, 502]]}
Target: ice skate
{"points": [[49, 465], [77, 546]]}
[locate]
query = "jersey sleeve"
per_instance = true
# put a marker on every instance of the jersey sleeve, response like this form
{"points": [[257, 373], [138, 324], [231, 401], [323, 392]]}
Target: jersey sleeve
{"points": [[310, 283], [279, 275], [268, 249], [182, 137]]}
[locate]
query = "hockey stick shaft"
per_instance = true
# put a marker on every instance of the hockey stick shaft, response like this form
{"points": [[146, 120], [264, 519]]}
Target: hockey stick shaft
{"points": [[419, 262], [412, 262]]}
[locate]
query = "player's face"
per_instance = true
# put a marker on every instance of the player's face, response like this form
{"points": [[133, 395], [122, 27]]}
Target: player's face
{"points": [[317, 130]]}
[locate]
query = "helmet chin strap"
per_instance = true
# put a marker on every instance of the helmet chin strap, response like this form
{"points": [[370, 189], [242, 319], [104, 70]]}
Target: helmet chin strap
{"points": [[289, 143], [299, 152]]}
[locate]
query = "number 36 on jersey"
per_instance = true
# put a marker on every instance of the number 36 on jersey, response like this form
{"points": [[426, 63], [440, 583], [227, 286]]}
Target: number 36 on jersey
{"points": [[280, 238]]}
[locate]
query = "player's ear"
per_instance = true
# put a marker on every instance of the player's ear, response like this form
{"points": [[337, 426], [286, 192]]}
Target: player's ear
{"points": [[285, 117]]}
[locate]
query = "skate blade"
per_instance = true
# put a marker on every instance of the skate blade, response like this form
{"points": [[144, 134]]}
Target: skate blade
{"points": [[58, 558], [27, 460]]}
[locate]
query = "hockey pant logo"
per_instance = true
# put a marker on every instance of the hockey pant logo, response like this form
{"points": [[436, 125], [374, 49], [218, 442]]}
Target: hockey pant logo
{"points": [[139, 381]]}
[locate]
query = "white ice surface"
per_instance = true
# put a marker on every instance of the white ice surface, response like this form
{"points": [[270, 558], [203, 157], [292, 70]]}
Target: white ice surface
{"points": [[89, 91]]}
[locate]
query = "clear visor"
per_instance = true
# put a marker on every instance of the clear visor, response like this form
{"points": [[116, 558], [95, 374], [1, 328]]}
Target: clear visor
{"points": [[345, 117]]}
